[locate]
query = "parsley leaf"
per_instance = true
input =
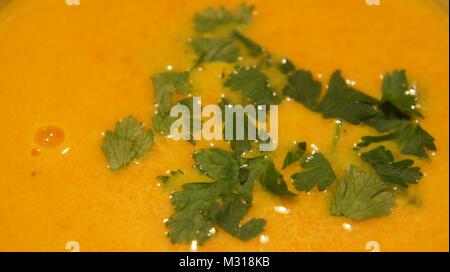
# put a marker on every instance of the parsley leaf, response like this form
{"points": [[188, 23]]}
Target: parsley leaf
{"points": [[368, 140], [388, 118], [238, 146], [254, 49], [318, 172], [211, 19], [254, 85], [362, 196], [412, 138], [293, 156], [162, 122], [217, 164], [215, 49], [166, 83], [201, 205], [245, 188], [231, 215], [399, 173], [397, 91], [287, 67], [243, 13], [127, 143], [263, 170], [346, 103], [193, 214], [303, 88]]}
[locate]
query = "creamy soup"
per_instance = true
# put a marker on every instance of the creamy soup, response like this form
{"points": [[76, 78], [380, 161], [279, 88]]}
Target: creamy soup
{"points": [[68, 73]]}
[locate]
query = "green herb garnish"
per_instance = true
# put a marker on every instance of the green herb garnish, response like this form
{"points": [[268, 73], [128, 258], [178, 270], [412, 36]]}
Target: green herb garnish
{"points": [[193, 218], [295, 155], [231, 214], [346, 103], [286, 66], [254, 85], [224, 202], [165, 84], [303, 88], [211, 19], [253, 48], [318, 172], [362, 196], [263, 170], [217, 164], [398, 173], [388, 118], [215, 49], [127, 143], [162, 122], [397, 91], [201, 205], [412, 138]]}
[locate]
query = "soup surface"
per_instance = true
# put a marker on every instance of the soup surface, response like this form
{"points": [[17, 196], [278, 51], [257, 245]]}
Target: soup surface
{"points": [[68, 73]]}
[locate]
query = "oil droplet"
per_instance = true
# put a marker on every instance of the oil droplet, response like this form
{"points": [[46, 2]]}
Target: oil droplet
{"points": [[50, 136], [35, 152]]}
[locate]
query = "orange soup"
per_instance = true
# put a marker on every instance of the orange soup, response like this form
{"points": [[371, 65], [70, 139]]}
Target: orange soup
{"points": [[68, 73]]}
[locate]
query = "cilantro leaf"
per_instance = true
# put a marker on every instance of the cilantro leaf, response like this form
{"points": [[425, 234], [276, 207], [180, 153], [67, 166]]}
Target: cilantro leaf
{"points": [[318, 172], [263, 170], [287, 67], [303, 88], [166, 83], [398, 103], [198, 206], [246, 187], [215, 49], [238, 146], [397, 91], [388, 118], [127, 143], [217, 164], [211, 19], [362, 196], [243, 13], [368, 140], [254, 49], [412, 138], [193, 213], [231, 215], [162, 122], [399, 173], [293, 156], [346, 103], [254, 85]]}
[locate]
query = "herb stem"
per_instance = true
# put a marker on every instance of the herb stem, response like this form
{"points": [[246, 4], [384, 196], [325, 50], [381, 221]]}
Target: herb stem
{"points": [[336, 136]]}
